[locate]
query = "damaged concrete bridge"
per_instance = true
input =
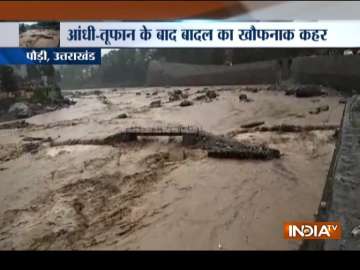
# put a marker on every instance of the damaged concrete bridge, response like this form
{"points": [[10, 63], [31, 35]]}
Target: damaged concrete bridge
{"points": [[190, 134], [216, 146]]}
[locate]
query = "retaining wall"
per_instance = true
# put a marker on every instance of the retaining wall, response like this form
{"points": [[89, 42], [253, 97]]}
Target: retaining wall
{"points": [[163, 73], [341, 194], [340, 72]]}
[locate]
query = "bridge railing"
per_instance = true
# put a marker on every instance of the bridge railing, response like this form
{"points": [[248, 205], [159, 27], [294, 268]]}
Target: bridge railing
{"points": [[163, 130]]}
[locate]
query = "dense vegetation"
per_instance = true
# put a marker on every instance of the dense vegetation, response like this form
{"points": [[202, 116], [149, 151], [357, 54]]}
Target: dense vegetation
{"points": [[11, 80], [8, 79]]}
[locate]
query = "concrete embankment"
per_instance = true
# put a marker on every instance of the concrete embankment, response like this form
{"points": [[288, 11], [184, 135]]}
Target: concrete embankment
{"points": [[341, 196], [340, 72], [164, 73]]}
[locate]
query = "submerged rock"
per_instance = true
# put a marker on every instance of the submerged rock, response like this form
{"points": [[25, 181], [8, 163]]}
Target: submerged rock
{"points": [[174, 98], [186, 103], [211, 94], [16, 124], [177, 92], [68, 101], [320, 109], [122, 116], [289, 92], [20, 110], [253, 124], [309, 91], [174, 95], [342, 101], [155, 104], [244, 98], [201, 97]]}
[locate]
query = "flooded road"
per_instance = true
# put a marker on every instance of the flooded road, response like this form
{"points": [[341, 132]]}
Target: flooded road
{"points": [[156, 193]]}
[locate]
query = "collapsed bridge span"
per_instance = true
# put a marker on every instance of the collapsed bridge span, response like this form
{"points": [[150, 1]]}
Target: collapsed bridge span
{"points": [[216, 146], [189, 134]]}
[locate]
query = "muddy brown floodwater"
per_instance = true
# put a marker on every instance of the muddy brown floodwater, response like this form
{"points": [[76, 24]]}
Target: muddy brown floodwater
{"points": [[40, 38], [156, 193]]}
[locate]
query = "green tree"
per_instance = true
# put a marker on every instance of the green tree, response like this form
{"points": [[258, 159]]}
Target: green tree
{"points": [[33, 72], [22, 28], [8, 79]]}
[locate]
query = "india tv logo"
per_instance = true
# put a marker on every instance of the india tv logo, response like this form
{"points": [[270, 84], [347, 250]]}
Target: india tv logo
{"points": [[298, 230]]}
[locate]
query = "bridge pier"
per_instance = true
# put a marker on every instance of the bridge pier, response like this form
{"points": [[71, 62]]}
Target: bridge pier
{"points": [[190, 139], [128, 137]]}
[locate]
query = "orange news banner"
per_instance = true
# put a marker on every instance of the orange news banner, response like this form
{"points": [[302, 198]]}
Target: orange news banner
{"points": [[116, 10]]}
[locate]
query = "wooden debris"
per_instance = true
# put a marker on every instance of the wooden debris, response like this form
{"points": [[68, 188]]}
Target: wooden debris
{"points": [[296, 128], [320, 109], [15, 124], [253, 124], [283, 129]]}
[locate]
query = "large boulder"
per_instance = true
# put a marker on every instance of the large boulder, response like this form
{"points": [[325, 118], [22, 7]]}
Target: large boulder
{"points": [[175, 95], [68, 101], [177, 92], [186, 103], [174, 98], [200, 97], [211, 94], [122, 116], [20, 110], [155, 104], [305, 91], [244, 98]]}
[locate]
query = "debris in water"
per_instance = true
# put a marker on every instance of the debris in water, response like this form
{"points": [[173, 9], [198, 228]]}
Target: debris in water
{"points": [[211, 94], [15, 124], [342, 101], [356, 231], [244, 98], [253, 124], [323, 204], [320, 109], [122, 116], [186, 103], [283, 129], [104, 100], [305, 91], [39, 139], [289, 92], [155, 104]]}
